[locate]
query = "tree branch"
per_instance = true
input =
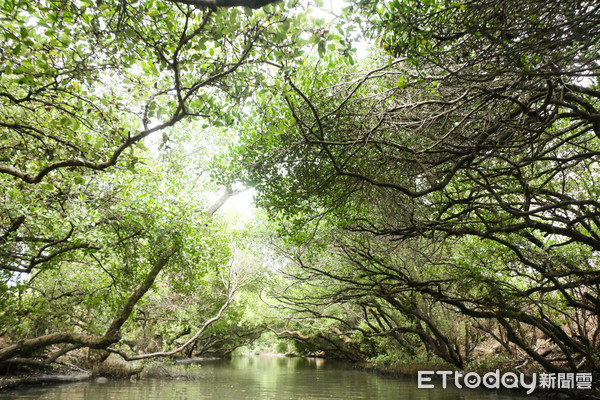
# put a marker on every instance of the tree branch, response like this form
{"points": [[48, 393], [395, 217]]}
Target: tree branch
{"points": [[214, 4]]}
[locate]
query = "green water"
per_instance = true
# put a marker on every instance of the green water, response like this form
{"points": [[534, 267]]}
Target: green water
{"points": [[256, 377]]}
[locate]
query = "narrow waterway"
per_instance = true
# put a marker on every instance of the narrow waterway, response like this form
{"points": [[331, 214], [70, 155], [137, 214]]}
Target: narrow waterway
{"points": [[255, 377]]}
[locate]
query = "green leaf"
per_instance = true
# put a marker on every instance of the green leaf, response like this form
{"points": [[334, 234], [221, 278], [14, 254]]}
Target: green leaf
{"points": [[47, 186]]}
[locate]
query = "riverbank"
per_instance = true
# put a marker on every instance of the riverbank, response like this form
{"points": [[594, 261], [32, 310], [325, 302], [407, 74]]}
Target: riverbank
{"points": [[42, 379], [111, 369]]}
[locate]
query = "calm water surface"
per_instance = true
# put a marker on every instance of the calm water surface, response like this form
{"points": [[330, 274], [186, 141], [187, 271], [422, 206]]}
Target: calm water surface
{"points": [[255, 377]]}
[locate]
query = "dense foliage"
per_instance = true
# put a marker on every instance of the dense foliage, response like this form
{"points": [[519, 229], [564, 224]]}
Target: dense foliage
{"points": [[448, 193], [102, 246]]}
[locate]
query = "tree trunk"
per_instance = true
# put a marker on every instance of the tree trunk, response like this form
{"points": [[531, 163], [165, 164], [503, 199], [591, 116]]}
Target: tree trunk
{"points": [[111, 336], [29, 380]]}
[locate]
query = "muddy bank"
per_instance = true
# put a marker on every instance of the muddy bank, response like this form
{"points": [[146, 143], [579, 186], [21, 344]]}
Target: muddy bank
{"points": [[14, 381]]}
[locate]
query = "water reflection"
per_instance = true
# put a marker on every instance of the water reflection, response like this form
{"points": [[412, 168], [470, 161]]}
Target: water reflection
{"points": [[255, 378]]}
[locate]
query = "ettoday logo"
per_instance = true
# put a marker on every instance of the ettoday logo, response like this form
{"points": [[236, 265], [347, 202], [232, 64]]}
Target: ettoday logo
{"points": [[508, 380]]}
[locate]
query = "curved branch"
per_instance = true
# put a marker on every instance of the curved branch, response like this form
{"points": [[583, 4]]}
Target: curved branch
{"points": [[112, 335], [99, 166], [214, 4], [230, 296]]}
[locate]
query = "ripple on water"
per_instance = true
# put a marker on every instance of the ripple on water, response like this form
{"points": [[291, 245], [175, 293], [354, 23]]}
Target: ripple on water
{"points": [[255, 377]]}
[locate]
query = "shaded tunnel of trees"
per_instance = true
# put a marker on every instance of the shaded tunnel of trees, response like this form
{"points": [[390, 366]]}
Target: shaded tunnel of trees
{"points": [[433, 197]]}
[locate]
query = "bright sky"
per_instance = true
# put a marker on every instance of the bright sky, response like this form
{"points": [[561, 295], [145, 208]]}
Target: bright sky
{"points": [[241, 203]]}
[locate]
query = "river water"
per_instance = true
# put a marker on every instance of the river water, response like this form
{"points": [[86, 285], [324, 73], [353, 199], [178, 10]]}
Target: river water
{"points": [[255, 377]]}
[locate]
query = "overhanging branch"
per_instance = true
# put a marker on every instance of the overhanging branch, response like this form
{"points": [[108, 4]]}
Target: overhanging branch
{"points": [[214, 4]]}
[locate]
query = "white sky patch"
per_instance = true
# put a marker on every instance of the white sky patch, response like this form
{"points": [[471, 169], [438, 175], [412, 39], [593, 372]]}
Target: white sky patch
{"points": [[242, 203]]}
